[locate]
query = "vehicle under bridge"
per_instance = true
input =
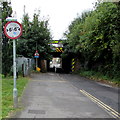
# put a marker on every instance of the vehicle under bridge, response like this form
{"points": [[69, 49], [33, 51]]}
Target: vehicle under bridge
{"points": [[58, 63]]}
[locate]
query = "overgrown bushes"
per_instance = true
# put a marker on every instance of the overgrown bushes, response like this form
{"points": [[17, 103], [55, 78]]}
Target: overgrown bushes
{"points": [[94, 38]]}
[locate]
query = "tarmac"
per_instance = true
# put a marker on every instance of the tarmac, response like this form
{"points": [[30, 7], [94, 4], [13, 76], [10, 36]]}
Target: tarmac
{"points": [[47, 95]]}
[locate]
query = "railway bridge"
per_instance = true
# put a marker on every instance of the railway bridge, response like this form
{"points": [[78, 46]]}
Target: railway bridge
{"points": [[58, 63]]}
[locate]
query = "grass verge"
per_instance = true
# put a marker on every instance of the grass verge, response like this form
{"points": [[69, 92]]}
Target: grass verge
{"points": [[7, 94], [100, 77]]}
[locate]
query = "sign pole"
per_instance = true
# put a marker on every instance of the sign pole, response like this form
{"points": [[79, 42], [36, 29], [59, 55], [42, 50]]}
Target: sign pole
{"points": [[36, 55], [13, 30], [15, 93], [36, 63]]}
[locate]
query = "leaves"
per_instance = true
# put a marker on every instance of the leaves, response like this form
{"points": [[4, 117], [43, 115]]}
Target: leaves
{"points": [[95, 36], [36, 35], [6, 43]]}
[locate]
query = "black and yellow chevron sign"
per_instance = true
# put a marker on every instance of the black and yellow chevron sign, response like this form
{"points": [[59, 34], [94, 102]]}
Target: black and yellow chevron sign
{"points": [[73, 65], [59, 49]]}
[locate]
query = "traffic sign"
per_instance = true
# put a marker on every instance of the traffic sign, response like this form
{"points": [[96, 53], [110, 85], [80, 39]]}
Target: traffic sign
{"points": [[36, 55], [13, 29]]}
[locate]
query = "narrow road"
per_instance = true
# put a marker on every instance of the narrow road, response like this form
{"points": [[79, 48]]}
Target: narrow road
{"points": [[106, 93], [51, 95]]}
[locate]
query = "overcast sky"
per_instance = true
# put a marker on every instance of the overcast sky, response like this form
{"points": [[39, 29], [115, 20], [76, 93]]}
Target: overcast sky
{"points": [[59, 12]]}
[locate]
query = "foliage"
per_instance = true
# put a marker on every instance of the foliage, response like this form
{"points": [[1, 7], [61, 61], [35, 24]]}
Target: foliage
{"points": [[94, 37], [6, 43], [100, 77], [36, 36]]}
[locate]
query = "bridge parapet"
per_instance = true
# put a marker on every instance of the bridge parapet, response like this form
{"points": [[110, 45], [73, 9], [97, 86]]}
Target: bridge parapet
{"points": [[56, 45]]}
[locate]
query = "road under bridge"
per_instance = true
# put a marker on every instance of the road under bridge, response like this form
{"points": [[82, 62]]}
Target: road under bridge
{"points": [[57, 50]]}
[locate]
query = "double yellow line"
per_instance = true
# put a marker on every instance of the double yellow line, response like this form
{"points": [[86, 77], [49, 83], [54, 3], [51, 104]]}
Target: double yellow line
{"points": [[114, 113]]}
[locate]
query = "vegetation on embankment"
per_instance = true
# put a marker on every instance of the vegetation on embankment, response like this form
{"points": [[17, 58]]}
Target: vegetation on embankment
{"points": [[7, 93], [100, 77], [94, 39]]}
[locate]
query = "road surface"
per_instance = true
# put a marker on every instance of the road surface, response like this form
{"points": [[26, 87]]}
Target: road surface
{"points": [[53, 95]]}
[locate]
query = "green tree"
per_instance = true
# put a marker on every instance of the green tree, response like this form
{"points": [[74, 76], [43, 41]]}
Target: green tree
{"points": [[95, 37], [6, 43], [36, 36], [76, 45]]}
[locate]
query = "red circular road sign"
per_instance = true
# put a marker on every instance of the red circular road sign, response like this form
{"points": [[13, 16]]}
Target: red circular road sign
{"points": [[36, 55], [13, 29]]}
